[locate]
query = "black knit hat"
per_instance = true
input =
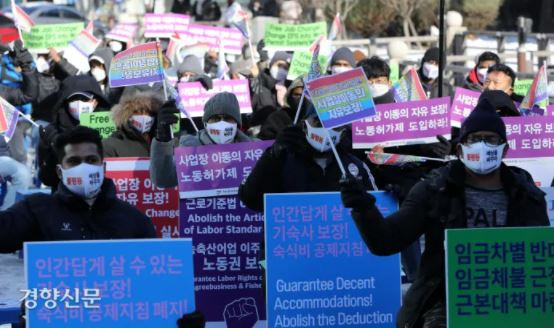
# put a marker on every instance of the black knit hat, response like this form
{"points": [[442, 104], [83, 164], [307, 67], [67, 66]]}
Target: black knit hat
{"points": [[502, 103], [483, 118], [432, 54]]}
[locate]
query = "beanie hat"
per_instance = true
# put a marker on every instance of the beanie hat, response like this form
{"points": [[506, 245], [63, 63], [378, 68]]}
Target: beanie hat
{"points": [[190, 63], [501, 102], [224, 103], [432, 54], [483, 118], [280, 56], [344, 54]]}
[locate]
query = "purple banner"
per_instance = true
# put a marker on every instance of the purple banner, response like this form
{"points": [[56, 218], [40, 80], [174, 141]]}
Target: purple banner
{"points": [[165, 25], [194, 96], [216, 170], [228, 239], [550, 110], [464, 102], [231, 38], [397, 124], [530, 137]]}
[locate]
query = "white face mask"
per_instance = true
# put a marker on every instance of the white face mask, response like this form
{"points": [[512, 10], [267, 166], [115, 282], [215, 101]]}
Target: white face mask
{"points": [[317, 137], [378, 89], [142, 123], [76, 108], [222, 132], [84, 180], [430, 71], [482, 74], [278, 73], [481, 158], [339, 69], [42, 64], [116, 46], [98, 74]]}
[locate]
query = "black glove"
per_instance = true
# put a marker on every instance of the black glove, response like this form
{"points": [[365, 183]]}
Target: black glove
{"points": [[292, 139], [192, 320], [206, 81], [441, 149], [354, 194], [21, 56], [47, 135], [263, 53], [166, 118]]}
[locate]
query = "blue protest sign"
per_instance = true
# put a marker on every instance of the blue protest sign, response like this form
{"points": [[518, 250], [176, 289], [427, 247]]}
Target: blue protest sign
{"points": [[319, 271], [108, 283]]}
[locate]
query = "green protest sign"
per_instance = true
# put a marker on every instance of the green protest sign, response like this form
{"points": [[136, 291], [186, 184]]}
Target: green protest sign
{"points": [[394, 76], [293, 36], [500, 277], [301, 61], [103, 123], [47, 36], [100, 121], [521, 87]]}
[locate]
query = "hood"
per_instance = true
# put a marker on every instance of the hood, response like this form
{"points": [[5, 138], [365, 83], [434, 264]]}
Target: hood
{"points": [[141, 101], [82, 83], [298, 82], [103, 55]]}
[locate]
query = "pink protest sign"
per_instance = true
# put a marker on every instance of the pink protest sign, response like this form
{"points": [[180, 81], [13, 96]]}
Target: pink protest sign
{"points": [[530, 137], [165, 25], [124, 32], [131, 177], [550, 110], [397, 124], [231, 38], [216, 170], [194, 96], [464, 102]]}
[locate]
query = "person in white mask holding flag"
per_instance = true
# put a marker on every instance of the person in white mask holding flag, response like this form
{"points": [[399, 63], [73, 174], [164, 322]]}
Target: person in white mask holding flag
{"points": [[429, 73], [84, 207], [222, 122], [77, 95], [301, 160], [134, 117]]}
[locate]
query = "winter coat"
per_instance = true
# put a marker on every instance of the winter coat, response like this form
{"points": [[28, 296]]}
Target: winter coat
{"points": [[210, 11], [64, 216], [433, 205], [126, 142], [111, 94], [162, 165], [63, 121], [472, 82], [282, 172], [26, 94]]}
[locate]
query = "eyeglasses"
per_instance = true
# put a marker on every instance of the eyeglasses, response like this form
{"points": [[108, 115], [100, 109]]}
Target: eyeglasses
{"points": [[492, 140]]}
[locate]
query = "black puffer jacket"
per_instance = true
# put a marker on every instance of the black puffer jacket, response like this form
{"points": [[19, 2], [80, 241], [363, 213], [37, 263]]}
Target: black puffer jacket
{"points": [[433, 205], [26, 94], [65, 216]]}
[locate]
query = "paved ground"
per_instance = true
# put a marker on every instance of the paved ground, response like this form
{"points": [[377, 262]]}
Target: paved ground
{"points": [[12, 279]]}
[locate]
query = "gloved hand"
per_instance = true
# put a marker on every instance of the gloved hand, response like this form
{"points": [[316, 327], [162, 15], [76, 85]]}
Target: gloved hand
{"points": [[260, 49], [441, 149], [292, 139], [166, 118], [47, 135], [21, 56], [354, 194], [206, 81]]}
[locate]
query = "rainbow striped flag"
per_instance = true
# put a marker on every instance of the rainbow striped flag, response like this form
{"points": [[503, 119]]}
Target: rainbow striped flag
{"points": [[9, 116], [381, 158], [409, 88], [536, 100], [336, 27]]}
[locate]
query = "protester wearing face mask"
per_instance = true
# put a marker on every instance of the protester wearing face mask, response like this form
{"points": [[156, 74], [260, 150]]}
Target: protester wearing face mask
{"points": [[477, 76], [134, 118], [99, 63], [342, 61], [476, 191], [84, 207], [77, 95], [301, 160], [377, 72], [501, 77], [429, 72], [222, 122], [116, 46], [278, 120]]}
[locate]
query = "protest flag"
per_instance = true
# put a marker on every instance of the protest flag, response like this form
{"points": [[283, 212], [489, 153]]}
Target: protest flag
{"points": [[336, 28], [240, 21], [409, 88], [222, 67], [178, 102], [21, 19], [536, 100], [313, 73], [90, 27], [139, 65], [85, 43], [172, 46], [381, 158], [9, 116]]}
